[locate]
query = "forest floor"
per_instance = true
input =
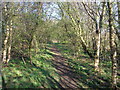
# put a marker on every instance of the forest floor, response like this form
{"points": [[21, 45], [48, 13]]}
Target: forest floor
{"points": [[77, 73], [54, 68], [65, 72]]}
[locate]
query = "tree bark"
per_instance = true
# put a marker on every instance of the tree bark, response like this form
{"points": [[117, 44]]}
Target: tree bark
{"points": [[30, 46], [98, 37], [0, 44], [97, 56], [117, 30], [112, 47], [10, 42], [98, 23], [4, 58], [7, 31]]}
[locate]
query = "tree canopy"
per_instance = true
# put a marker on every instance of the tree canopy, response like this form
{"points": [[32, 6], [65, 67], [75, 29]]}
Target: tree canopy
{"points": [[39, 38]]}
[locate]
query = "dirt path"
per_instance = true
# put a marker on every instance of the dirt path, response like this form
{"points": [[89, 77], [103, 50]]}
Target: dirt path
{"points": [[67, 77]]}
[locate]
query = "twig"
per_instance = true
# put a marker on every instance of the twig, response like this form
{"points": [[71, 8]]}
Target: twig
{"points": [[23, 60]]}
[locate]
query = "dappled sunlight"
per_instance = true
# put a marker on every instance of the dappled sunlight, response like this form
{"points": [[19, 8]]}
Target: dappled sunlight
{"points": [[53, 69], [40, 74], [83, 72], [60, 45]]}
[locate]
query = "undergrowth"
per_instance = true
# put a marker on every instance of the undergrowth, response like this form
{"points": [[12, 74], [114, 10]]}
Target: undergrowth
{"points": [[83, 67], [22, 74]]}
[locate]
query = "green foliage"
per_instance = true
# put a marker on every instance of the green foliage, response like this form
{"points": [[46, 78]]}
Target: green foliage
{"points": [[30, 28], [43, 74], [40, 74], [84, 68]]}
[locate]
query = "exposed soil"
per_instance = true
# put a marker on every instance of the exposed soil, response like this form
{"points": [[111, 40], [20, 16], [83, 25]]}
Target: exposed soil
{"points": [[67, 77]]}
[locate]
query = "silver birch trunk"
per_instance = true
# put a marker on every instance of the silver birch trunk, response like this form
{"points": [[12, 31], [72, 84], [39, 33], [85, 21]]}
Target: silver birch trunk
{"points": [[10, 42], [112, 47]]}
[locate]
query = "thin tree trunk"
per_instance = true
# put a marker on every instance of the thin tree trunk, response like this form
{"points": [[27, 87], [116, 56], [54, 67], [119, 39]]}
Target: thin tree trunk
{"points": [[78, 32], [98, 23], [4, 58], [84, 45], [118, 33], [35, 44], [0, 45], [97, 57], [94, 45], [117, 30], [98, 38], [10, 42], [30, 46], [112, 47], [4, 55]]}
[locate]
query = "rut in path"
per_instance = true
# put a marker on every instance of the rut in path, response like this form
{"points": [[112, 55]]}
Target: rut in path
{"points": [[67, 77]]}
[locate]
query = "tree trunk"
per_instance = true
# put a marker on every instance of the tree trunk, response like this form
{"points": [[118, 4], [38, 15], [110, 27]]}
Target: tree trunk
{"points": [[97, 56], [4, 58], [4, 55], [94, 45], [98, 37], [118, 33], [10, 42], [0, 44], [3, 83], [79, 33], [30, 46], [112, 47], [35, 44], [117, 30]]}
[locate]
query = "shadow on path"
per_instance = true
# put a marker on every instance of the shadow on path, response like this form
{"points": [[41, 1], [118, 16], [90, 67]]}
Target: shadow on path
{"points": [[80, 76], [67, 79]]}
